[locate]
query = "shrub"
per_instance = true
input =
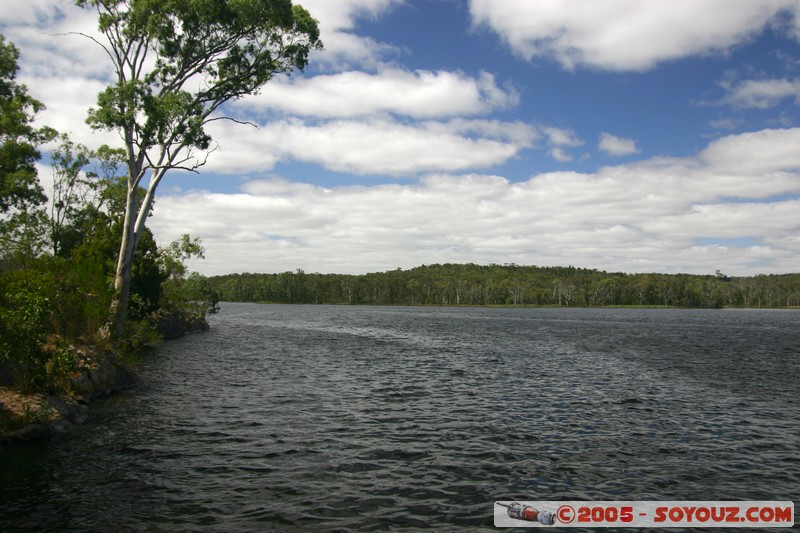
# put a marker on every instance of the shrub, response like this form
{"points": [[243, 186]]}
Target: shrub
{"points": [[24, 309]]}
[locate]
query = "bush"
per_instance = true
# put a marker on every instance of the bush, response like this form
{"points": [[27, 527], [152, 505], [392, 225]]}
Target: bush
{"points": [[24, 309], [43, 309]]}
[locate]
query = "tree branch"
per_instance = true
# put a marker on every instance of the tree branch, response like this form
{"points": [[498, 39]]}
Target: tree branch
{"points": [[237, 121]]}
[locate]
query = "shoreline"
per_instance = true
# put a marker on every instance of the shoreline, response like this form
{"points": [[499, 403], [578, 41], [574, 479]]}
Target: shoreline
{"points": [[526, 306], [30, 417]]}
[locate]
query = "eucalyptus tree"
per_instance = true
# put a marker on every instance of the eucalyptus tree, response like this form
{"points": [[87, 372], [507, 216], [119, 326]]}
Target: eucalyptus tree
{"points": [[176, 63]]}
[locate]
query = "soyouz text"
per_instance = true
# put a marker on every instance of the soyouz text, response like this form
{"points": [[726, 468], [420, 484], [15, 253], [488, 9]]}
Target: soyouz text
{"points": [[644, 514], [703, 514]]}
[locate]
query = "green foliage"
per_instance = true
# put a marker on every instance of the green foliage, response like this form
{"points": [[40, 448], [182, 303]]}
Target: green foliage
{"points": [[470, 284], [80, 298], [24, 309], [42, 310], [61, 365], [235, 47], [194, 293], [21, 195], [147, 278], [18, 138], [98, 232], [48, 303], [171, 258], [70, 208]]}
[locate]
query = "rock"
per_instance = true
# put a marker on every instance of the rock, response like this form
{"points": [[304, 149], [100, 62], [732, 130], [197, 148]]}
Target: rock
{"points": [[178, 323], [29, 417], [105, 376], [69, 409]]}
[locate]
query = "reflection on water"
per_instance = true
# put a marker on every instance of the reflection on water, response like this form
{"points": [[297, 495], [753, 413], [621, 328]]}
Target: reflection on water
{"points": [[376, 418]]}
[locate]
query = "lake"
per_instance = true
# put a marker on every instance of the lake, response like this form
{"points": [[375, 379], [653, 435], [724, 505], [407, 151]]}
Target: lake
{"points": [[339, 418]]}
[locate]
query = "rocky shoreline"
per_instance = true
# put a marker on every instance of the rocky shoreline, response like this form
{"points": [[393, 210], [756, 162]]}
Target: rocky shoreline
{"points": [[34, 416], [30, 417]]}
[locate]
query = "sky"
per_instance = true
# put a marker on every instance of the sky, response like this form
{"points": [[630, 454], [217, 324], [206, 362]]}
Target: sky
{"points": [[623, 135]]}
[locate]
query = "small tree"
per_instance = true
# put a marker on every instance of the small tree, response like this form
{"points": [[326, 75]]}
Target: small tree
{"points": [[87, 189], [71, 189], [176, 62], [194, 293]]}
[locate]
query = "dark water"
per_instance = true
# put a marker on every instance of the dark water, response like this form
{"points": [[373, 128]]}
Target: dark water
{"points": [[317, 418]]}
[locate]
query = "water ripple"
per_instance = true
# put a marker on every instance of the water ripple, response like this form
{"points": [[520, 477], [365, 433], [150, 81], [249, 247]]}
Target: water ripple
{"points": [[290, 418]]}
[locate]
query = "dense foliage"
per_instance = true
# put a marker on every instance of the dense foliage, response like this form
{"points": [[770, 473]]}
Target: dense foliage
{"points": [[470, 284]]}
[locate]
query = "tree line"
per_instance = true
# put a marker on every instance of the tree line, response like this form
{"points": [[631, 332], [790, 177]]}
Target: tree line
{"points": [[510, 284]]}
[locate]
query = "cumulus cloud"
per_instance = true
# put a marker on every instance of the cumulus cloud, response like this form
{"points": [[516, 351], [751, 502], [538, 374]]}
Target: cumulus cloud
{"points": [[53, 38], [558, 139], [68, 100], [757, 153], [30, 12], [561, 137], [337, 21], [371, 146], [60, 65], [559, 154], [619, 146], [624, 35], [761, 94], [352, 124], [419, 94], [650, 215]]}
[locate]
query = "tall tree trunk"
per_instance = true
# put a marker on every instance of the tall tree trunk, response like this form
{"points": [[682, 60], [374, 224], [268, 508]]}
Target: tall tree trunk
{"points": [[132, 228], [122, 279]]}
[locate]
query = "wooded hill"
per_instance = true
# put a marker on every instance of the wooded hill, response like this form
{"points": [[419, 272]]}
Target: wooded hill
{"points": [[510, 284]]}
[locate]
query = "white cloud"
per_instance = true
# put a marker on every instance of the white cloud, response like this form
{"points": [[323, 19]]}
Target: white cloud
{"points": [[60, 67], [342, 14], [561, 137], [624, 34], [652, 215], [649, 215], [558, 138], [420, 94], [374, 143], [371, 146], [56, 41], [337, 20], [68, 100], [759, 153], [29, 12], [560, 155], [761, 94], [724, 124], [619, 146]]}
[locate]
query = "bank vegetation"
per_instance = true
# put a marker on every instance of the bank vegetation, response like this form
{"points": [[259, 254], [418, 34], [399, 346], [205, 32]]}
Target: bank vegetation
{"points": [[514, 285]]}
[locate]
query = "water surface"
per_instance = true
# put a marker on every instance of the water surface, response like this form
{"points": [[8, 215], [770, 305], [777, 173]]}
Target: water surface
{"points": [[335, 418]]}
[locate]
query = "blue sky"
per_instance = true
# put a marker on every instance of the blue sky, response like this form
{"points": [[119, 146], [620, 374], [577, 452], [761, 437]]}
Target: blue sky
{"points": [[624, 135]]}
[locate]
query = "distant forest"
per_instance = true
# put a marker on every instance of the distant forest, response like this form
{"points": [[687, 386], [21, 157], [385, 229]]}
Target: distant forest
{"points": [[510, 284]]}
